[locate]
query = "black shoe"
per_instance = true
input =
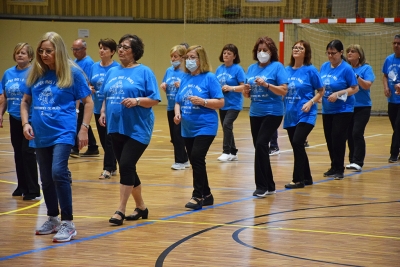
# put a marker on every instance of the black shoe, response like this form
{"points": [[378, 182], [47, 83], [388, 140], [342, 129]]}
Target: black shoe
{"points": [[208, 200], [140, 213], [17, 193], [88, 153], [306, 144], [294, 185], [195, 206], [117, 221], [31, 196], [258, 192], [308, 182], [74, 153], [330, 172], [392, 159], [338, 176]]}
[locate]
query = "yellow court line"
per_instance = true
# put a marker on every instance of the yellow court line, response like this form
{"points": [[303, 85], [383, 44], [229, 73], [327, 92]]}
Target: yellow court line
{"points": [[24, 208]]}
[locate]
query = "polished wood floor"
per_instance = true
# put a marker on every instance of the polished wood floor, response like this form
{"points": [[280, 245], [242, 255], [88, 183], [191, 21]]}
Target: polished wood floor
{"points": [[353, 222]]}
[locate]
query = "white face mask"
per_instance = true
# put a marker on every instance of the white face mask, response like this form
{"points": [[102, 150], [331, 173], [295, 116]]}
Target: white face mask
{"points": [[191, 65], [175, 63], [263, 57]]}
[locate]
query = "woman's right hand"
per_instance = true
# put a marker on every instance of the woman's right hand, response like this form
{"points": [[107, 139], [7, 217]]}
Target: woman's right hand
{"points": [[163, 86], [246, 91], [177, 118], [28, 131], [102, 119]]}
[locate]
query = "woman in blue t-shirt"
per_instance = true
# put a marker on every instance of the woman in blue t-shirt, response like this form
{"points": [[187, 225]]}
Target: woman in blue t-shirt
{"points": [[266, 85], [199, 96], [54, 84], [11, 91], [231, 77], [170, 85], [107, 48], [362, 108], [340, 86], [301, 109], [130, 91], [391, 86]]}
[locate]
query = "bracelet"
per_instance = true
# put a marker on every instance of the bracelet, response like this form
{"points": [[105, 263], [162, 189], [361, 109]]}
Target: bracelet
{"points": [[77, 111], [137, 101], [268, 86], [24, 124], [357, 76], [85, 125], [312, 100], [205, 102], [234, 88]]}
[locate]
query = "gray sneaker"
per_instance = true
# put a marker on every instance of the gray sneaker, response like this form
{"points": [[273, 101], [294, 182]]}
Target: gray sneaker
{"points": [[66, 232], [52, 225]]}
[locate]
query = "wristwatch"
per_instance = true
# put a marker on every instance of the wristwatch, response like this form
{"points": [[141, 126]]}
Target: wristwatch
{"points": [[85, 125], [205, 102], [77, 111], [137, 101]]}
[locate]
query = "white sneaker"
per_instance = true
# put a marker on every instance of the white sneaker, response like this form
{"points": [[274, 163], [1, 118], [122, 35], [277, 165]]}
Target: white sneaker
{"points": [[52, 225], [233, 157], [178, 166], [266, 193], [224, 157], [354, 166], [66, 233], [187, 164]]}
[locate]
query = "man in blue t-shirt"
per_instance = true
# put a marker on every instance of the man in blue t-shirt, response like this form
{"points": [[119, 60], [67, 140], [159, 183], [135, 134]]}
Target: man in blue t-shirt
{"points": [[85, 62]]}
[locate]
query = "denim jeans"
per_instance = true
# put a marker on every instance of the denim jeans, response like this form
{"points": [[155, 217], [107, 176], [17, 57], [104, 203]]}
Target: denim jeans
{"points": [[109, 161], [53, 167], [227, 118]]}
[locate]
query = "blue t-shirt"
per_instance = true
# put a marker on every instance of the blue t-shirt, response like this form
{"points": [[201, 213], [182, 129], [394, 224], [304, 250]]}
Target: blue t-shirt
{"points": [[53, 109], [96, 79], [363, 97], [391, 68], [171, 76], [263, 101], [232, 76], [301, 88], [85, 64], [334, 80], [120, 83], [13, 84], [198, 120]]}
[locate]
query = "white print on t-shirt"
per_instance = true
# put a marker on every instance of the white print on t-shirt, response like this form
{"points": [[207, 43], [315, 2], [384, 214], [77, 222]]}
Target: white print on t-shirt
{"points": [[14, 90], [46, 96], [116, 88]]}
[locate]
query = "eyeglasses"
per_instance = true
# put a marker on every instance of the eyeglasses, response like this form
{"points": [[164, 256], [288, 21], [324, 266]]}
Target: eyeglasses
{"points": [[125, 47], [331, 53], [192, 57], [45, 51], [352, 51], [396, 43], [300, 48], [76, 49]]}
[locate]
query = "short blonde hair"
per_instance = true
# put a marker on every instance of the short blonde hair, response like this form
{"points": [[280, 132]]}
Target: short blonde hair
{"points": [[29, 49], [62, 61], [203, 59], [180, 49]]}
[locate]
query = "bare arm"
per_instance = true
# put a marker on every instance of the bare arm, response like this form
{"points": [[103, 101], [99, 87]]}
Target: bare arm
{"points": [[144, 102], [238, 88], [316, 99], [87, 116], [214, 103], [25, 107], [364, 83], [3, 107], [178, 117], [386, 89]]}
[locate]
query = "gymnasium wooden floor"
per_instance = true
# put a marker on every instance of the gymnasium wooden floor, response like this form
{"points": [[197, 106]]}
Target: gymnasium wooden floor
{"points": [[353, 222]]}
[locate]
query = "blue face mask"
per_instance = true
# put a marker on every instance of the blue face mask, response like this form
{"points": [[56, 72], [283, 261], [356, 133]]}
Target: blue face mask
{"points": [[191, 65], [175, 64]]}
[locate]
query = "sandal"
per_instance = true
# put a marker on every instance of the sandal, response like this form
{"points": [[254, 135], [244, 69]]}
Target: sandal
{"points": [[117, 221], [105, 175]]}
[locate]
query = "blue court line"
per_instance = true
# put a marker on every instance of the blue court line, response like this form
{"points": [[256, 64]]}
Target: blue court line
{"points": [[12, 256]]}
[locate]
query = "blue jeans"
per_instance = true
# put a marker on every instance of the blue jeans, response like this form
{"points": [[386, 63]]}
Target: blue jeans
{"points": [[53, 167]]}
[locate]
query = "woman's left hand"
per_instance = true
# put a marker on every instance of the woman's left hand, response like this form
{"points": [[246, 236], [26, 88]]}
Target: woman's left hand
{"points": [[333, 97], [196, 100], [307, 106], [129, 102]]}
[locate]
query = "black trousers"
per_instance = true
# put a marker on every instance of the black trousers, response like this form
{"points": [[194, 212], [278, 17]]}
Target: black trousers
{"points": [[92, 145], [197, 148], [227, 118], [25, 160], [109, 161], [355, 135], [180, 153], [335, 130], [262, 130], [297, 136], [394, 117]]}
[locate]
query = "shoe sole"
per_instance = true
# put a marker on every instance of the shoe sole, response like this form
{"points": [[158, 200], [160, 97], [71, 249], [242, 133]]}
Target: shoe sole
{"points": [[267, 194], [74, 156], [178, 169], [90, 156]]}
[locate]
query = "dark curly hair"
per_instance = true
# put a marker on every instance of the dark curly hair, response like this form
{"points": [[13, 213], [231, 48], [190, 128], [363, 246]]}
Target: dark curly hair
{"points": [[271, 46], [137, 45]]}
